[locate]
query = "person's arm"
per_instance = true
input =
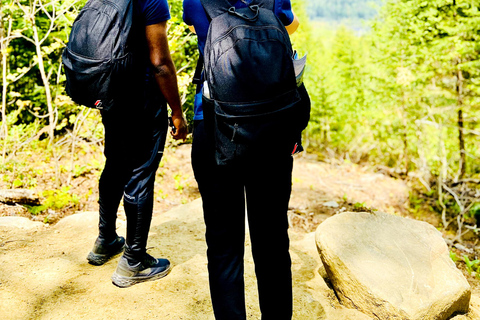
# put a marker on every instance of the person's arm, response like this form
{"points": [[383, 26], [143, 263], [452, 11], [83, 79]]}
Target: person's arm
{"points": [[292, 27], [166, 75]]}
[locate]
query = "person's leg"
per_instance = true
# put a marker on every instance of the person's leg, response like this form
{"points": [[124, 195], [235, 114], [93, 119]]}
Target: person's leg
{"points": [[224, 214], [268, 191], [111, 185], [115, 175], [222, 194], [136, 266], [117, 170], [139, 191], [150, 133]]}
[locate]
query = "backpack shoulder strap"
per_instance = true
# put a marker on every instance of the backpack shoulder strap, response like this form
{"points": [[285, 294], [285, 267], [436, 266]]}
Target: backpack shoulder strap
{"points": [[197, 77], [214, 8], [267, 4]]}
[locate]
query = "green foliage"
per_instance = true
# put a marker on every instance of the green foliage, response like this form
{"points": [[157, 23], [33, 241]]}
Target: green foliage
{"points": [[31, 40], [19, 175], [55, 200], [392, 96], [359, 205], [475, 212], [404, 94], [362, 207], [471, 265], [453, 256], [178, 183], [35, 210], [79, 170], [58, 199]]}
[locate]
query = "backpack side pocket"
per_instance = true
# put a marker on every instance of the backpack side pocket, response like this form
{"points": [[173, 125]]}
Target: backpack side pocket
{"points": [[88, 80]]}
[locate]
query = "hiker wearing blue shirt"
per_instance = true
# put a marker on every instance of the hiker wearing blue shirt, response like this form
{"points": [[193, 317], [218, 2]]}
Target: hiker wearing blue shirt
{"points": [[195, 17], [135, 133], [223, 190]]}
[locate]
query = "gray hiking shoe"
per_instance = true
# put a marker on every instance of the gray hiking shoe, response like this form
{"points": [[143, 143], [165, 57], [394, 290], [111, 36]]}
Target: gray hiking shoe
{"points": [[102, 252], [148, 269]]}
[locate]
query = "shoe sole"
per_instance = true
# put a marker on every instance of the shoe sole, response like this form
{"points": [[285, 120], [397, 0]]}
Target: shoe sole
{"points": [[125, 282], [100, 259]]}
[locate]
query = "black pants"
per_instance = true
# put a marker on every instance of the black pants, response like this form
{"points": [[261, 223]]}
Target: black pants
{"points": [[135, 135], [265, 184]]}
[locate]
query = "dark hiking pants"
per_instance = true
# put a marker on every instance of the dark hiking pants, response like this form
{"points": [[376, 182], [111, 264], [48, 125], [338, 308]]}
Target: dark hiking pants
{"points": [[134, 141], [265, 184]]}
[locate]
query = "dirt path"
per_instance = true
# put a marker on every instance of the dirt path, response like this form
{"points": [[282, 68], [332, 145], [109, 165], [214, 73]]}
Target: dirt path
{"points": [[44, 273]]}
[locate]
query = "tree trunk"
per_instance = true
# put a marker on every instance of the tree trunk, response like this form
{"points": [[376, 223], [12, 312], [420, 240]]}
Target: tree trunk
{"points": [[462, 166], [3, 53], [4, 104], [46, 84], [461, 140], [461, 136], [405, 134], [20, 196]]}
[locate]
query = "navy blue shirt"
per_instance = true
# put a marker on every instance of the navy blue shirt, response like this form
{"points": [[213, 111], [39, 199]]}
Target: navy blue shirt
{"points": [[147, 12], [194, 15], [153, 11]]}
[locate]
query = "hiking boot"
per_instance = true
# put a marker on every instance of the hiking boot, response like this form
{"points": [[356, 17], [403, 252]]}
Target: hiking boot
{"points": [[102, 252], [148, 269]]}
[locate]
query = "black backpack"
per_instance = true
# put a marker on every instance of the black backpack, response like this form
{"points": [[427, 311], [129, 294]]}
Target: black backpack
{"points": [[98, 59], [251, 100]]}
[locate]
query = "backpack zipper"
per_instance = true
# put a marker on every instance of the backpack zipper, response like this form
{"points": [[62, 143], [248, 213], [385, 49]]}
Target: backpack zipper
{"points": [[227, 34], [235, 128]]}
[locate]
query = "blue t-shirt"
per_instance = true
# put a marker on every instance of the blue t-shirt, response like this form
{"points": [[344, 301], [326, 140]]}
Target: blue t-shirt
{"points": [[194, 15], [147, 12], [153, 11]]}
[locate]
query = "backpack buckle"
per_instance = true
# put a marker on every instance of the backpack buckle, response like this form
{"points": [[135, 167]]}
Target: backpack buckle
{"points": [[254, 8]]}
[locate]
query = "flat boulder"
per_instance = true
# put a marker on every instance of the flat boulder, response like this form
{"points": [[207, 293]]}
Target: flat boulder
{"points": [[20, 223], [391, 267]]}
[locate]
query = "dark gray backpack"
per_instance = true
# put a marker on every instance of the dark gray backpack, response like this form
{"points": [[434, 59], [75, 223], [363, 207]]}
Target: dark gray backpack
{"points": [[253, 99], [98, 60]]}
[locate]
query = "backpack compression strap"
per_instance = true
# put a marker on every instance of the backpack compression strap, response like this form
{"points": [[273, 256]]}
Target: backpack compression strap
{"points": [[214, 8], [197, 77]]}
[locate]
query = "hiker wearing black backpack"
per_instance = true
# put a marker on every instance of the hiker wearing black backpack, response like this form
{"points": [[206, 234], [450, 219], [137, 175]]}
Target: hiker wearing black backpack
{"points": [[117, 60], [249, 114]]}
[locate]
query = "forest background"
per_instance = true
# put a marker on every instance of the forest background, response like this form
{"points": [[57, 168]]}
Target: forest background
{"points": [[394, 85]]}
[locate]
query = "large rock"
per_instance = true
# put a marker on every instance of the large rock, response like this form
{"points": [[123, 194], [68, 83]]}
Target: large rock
{"points": [[391, 267]]}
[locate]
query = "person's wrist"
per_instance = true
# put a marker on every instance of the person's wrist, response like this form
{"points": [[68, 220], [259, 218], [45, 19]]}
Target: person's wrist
{"points": [[177, 114]]}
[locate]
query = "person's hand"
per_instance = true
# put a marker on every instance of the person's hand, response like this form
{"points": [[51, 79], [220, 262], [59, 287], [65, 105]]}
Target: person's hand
{"points": [[180, 124]]}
